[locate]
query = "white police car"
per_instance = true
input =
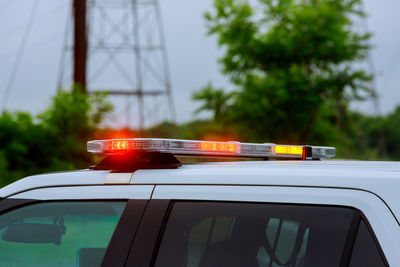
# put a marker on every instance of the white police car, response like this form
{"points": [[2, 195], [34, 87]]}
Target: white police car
{"points": [[140, 206]]}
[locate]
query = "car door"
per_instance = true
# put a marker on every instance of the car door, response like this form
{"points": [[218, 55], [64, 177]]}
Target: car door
{"points": [[194, 225], [71, 226]]}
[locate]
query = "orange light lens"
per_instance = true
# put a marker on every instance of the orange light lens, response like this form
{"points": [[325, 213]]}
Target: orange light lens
{"points": [[289, 150], [119, 145], [219, 147]]}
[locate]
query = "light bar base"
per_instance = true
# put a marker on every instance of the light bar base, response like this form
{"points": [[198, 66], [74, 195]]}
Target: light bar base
{"points": [[138, 160]]}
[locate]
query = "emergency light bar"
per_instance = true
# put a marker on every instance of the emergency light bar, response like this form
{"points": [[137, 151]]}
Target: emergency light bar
{"points": [[209, 149]]}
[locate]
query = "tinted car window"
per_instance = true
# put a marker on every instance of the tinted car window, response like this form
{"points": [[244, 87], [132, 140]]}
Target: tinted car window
{"points": [[366, 252], [250, 234], [58, 233]]}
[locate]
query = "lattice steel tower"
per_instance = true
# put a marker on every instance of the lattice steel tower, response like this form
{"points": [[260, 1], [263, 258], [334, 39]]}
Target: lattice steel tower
{"points": [[126, 56]]}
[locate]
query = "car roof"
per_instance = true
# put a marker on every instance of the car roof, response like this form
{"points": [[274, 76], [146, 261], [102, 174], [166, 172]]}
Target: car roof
{"points": [[380, 178]]}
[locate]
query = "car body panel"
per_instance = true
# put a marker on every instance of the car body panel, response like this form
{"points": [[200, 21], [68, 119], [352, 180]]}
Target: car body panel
{"points": [[84, 177], [379, 178], [88, 192], [371, 187]]}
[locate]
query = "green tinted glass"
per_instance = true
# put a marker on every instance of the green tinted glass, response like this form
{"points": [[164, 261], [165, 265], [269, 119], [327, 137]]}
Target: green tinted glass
{"points": [[58, 233]]}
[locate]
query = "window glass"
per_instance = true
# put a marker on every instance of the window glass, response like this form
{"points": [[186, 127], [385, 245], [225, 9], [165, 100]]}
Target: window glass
{"points": [[58, 233], [365, 251], [245, 234]]}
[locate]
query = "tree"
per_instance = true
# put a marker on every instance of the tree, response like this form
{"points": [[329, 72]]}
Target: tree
{"points": [[56, 140], [22, 146], [289, 60], [392, 134], [215, 100], [72, 120]]}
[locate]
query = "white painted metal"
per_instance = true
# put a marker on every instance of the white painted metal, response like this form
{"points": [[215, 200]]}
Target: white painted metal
{"points": [[118, 178], [89, 192], [381, 178], [55, 179], [379, 216]]}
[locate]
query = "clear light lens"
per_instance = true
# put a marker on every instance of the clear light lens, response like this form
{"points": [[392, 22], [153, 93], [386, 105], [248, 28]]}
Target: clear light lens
{"points": [[323, 152]]}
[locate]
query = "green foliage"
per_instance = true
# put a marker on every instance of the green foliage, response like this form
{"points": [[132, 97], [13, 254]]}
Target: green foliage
{"points": [[71, 120], [194, 130], [19, 140], [164, 130], [391, 133], [382, 133], [290, 60], [215, 100], [53, 141]]}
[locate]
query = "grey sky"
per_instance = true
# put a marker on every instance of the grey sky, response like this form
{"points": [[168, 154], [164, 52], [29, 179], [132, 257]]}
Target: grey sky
{"points": [[192, 54]]}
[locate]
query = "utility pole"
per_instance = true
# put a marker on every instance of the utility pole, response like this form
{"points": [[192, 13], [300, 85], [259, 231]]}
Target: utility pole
{"points": [[80, 44]]}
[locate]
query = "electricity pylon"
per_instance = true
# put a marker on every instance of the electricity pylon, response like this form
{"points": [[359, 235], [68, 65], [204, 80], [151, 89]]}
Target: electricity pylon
{"points": [[126, 56]]}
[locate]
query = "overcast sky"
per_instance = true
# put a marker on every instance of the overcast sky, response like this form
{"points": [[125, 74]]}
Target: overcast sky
{"points": [[192, 54]]}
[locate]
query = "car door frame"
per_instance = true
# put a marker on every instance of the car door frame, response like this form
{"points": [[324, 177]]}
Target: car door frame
{"points": [[136, 196], [372, 209]]}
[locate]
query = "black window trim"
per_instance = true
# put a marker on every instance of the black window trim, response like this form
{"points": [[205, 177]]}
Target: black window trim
{"points": [[148, 236], [13, 203], [352, 235], [372, 233], [124, 234], [159, 210], [350, 239]]}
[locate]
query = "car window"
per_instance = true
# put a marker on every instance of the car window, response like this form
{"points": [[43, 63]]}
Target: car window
{"points": [[58, 233], [251, 234], [366, 252]]}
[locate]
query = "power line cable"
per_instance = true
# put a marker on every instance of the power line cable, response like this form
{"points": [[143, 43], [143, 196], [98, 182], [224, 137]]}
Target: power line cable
{"points": [[20, 53], [371, 65], [46, 40], [61, 69], [42, 17], [381, 146]]}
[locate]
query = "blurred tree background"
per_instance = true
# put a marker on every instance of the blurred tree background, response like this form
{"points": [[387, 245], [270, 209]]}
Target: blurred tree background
{"points": [[54, 140], [295, 68]]}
